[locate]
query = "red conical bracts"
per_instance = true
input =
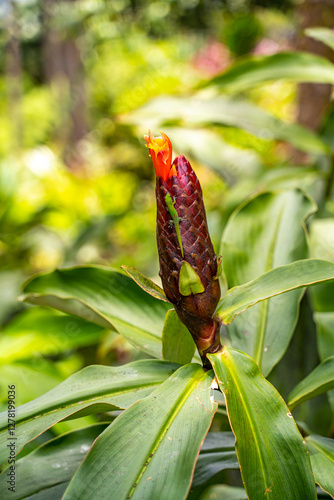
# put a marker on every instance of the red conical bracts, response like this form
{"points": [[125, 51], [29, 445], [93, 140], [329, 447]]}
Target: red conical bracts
{"points": [[192, 245]]}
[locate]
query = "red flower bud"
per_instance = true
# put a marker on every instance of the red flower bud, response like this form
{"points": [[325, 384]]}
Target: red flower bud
{"points": [[188, 263]]}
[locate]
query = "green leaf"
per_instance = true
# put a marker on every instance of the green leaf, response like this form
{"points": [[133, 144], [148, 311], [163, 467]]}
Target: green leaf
{"points": [[264, 233], [48, 470], [106, 297], [145, 283], [165, 430], [202, 110], [217, 454], [210, 149], [325, 333], [224, 492], [39, 331], [189, 281], [320, 380], [279, 280], [290, 66], [177, 343], [271, 452], [321, 451], [321, 243], [324, 35], [93, 389]]}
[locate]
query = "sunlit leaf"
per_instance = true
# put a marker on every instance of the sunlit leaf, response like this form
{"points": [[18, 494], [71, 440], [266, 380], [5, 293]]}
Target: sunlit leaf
{"points": [[272, 455], [324, 35], [222, 110], [39, 331], [165, 430], [290, 66]]}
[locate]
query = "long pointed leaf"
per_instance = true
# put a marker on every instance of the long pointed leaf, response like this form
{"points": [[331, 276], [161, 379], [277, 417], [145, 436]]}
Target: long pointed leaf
{"points": [[272, 455], [106, 297], [93, 389], [233, 112], [291, 66], [320, 380], [150, 450], [279, 280]]}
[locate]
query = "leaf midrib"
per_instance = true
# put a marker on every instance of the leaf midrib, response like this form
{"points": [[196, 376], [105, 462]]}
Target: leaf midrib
{"points": [[83, 402], [248, 415], [166, 425], [259, 346]]}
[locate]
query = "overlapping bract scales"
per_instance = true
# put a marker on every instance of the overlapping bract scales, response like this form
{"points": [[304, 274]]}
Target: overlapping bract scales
{"points": [[198, 250]]}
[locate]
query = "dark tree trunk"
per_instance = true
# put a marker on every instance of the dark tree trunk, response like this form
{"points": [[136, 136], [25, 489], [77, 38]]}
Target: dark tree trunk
{"points": [[63, 66], [13, 62], [314, 98]]}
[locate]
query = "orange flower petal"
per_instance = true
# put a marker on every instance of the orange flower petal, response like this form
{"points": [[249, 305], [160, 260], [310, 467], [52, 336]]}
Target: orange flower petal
{"points": [[161, 154]]}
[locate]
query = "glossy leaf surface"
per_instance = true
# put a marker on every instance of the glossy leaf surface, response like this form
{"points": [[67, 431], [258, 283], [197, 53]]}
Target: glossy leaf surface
{"points": [[165, 430], [264, 430], [93, 389], [106, 297], [320, 380], [263, 234], [177, 343], [146, 284]]}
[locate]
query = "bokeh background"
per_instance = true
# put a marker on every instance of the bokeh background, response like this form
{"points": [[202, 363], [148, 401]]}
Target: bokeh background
{"points": [[80, 83]]}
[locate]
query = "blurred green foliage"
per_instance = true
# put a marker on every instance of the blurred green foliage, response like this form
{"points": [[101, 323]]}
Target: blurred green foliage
{"points": [[109, 59]]}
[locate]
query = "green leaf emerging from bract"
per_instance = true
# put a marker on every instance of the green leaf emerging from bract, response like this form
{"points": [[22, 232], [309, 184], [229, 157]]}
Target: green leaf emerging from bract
{"points": [[145, 283], [320, 380], [165, 430], [189, 281], [264, 429]]}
